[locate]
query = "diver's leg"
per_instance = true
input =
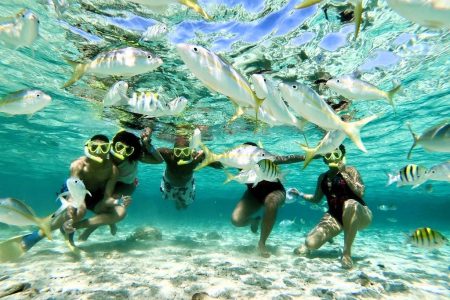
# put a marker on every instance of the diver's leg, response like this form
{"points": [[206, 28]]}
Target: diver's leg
{"points": [[355, 217], [271, 204], [243, 211], [114, 215], [327, 228]]}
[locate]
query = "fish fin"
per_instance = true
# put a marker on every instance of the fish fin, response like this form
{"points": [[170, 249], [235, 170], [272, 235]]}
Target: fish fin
{"points": [[415, 138], [239, 112], [45, 225], [230, 177], [307, 3], [301, 123], [391, 179], [260, 144], [353, 131], [89, 193], [12, 249], [283, 175], [78, 72], [209, 157], [193, 4], [358, 17], [309, 154], [259, 102], [390, 94]]}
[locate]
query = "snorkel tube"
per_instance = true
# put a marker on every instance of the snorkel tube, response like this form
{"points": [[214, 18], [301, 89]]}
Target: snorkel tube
{"points": [[116, 155], [90, 156]]}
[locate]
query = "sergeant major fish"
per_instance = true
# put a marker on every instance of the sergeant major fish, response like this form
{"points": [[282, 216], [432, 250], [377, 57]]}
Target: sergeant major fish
{"points": [[24, 102], [21, 30], [434, 139], [357, 89], [308, 104], [121, 62], [409, 175], [427, 238]]}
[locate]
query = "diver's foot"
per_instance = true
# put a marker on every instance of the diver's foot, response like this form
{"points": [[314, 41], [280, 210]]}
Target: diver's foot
{"points": [[86, 233], [302, 251], [255, 224], [346, 262], [263, 251], [113, 229]]}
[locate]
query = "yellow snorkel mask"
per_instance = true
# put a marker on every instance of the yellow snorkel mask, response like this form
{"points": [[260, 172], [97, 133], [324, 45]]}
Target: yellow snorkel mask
{"points": [[92, 150], [333, 159], [121, 150]]}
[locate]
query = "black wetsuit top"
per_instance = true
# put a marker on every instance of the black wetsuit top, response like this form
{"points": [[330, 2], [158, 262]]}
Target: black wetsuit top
{"points": [[337, 193], [264, 188]]}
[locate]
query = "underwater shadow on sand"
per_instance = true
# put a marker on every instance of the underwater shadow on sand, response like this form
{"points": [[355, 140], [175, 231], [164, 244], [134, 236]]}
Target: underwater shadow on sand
{"points": [[120, 246]]}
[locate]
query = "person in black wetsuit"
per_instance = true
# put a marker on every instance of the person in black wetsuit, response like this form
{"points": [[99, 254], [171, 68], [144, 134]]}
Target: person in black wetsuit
{"points": [[271, 196], [343, 187]]}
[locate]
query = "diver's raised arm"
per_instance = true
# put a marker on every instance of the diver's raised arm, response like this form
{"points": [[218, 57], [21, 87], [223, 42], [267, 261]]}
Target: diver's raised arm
{"points": [[149, 154], [354, 180], [290, 159]]}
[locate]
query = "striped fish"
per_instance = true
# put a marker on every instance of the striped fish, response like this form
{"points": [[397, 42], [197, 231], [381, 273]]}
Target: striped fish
{"points": [[427, 238], [409, 175], [434, 139], [269, 171]]}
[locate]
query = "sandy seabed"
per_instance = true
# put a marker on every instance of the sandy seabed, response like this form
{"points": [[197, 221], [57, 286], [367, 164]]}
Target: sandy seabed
{"points": [[222, 261]]}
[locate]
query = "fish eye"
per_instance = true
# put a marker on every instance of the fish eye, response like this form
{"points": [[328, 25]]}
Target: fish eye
{"points": [[263, 154], [195, 49], [149, 56], [38, 21], [294, 86], [337, 80], [265, 80], [38, 95]]}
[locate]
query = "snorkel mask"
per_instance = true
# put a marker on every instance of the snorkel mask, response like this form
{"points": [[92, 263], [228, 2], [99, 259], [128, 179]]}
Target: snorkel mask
{"points": [[121, 150], [333, 159], [185, 152], [92, 150]]}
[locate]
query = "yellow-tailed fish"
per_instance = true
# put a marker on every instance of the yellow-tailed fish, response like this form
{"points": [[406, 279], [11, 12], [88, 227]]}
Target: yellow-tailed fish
{"points": [[263, 116], [121, 62], [357, 89], [440, 172], [273, 104], [269, 171], [15, 212], [148, 104], [357, 12], [21, 30], [409, 175], [161, 5], [220, 76], [434, 139], [244, 157], [427, 238], [308, 104], [329, 142], [428, 13], [243, 177], [11, 249], [25, 102]]}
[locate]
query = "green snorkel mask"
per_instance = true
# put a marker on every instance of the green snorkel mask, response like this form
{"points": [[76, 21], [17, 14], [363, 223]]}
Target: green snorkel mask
{"points": [[92, 149], [121, 150]]}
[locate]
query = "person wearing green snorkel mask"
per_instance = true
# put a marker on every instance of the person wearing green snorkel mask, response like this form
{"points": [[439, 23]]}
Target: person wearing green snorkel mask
{"points": [[178, 182], [126, 151], [344, 189]]}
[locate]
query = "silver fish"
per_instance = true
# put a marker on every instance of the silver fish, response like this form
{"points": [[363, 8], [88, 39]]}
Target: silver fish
{"points": [[385, 207], [21, 30], [428, 13], [76, 194], [25, 102], [329, 142], [161, 5], [434, 139], [440, 172], [15, 212], [287, 223], [155, 32], [121, 62], [410, 174]]}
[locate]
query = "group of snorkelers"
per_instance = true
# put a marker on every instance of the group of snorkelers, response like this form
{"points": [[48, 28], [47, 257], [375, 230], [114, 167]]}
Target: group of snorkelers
{"points": [[109, 171]]}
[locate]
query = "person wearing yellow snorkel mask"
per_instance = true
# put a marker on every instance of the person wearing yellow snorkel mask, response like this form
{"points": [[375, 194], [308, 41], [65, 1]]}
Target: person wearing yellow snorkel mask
{"points": [[126, 151], [344, 189], [178, 182]]}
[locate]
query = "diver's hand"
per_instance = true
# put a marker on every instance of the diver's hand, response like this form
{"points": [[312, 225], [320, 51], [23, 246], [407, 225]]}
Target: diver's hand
{"points": [[126, 201], [198, 154], [146, 136]]}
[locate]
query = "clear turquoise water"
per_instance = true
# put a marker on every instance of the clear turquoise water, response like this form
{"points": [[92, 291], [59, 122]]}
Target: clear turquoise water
{"points": [[36, 152]]}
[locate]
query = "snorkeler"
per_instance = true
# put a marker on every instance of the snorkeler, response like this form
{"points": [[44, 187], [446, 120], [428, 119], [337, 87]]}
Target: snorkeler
{"points": [[347, 211], [126, 150], [178, 183], [99, 175], [270, 195]]}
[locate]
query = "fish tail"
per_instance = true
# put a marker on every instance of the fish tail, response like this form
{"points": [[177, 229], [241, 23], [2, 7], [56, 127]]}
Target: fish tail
{"points": [[353, 131], [390, 94], [193, 4], [309, 154], [230, 177], [209, 157], [45, 225], [239, 112], [392, 179], [358, 17], [78, 72], [415, 138], [12, 249], [307, 3]]}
